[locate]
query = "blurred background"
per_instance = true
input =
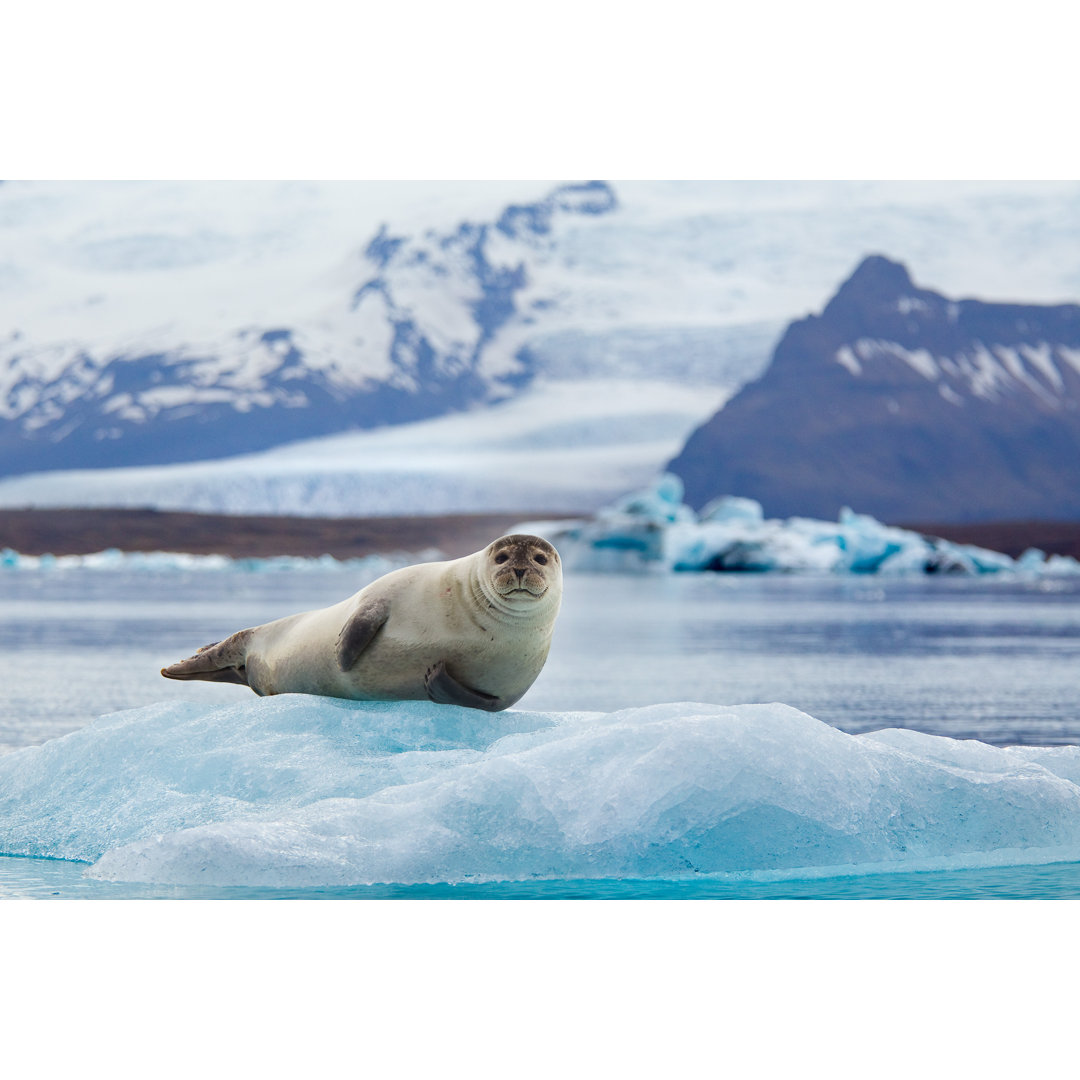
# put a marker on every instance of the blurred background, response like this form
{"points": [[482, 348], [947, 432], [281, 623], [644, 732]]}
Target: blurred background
{"points": [[366, 349]]}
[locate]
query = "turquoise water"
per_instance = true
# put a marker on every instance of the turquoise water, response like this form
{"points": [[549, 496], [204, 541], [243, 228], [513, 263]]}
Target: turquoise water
{"points": [[57, 879], [981, 659]]}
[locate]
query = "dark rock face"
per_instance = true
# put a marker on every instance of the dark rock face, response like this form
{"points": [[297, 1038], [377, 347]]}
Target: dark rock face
{"points": [[416, 339], [905, 405]]}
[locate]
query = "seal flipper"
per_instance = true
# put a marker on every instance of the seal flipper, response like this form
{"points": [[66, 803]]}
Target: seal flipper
{"points": [[444, 689], [222, 661], [359, 630]]}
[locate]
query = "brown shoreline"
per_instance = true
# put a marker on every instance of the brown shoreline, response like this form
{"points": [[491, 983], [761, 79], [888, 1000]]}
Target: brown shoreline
{"points": [[78, 532]]}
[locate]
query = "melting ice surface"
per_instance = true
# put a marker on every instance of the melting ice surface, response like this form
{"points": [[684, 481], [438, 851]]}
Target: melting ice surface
{"points": [[301, 791], [654, 528]]}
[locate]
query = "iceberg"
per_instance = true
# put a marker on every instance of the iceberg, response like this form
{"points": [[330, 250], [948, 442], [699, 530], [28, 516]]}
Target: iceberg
{"points": [[654, 530], [302, 791]]}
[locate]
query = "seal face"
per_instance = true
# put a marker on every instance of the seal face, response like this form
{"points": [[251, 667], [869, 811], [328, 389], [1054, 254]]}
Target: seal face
{"points": [[518, 567], [473, 631]]}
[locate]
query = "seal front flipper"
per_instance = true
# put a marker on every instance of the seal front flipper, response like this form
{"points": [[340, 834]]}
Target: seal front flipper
{"points": [[444, 689], [223, 661], [359, 630]]}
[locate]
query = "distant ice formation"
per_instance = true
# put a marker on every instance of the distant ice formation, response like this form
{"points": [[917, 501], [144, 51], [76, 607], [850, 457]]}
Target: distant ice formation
{"points": [[301, 791], [654, 528], [371, 566]]}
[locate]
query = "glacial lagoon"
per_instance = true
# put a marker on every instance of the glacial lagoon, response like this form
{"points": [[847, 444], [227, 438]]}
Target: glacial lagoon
{"points": [[761, 735]]}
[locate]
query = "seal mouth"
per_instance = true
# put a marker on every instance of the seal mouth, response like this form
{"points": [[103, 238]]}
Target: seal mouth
{"points": [[517, 583], [521, 590], [529, 587]]}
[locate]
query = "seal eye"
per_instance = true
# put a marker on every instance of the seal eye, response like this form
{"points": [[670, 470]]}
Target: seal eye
{"points": [[541, 559], [501, 557]]}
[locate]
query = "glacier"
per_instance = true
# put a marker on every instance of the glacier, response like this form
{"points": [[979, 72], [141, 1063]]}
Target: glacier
{"points": [[653, 529], [584, 442], [302, 791]]}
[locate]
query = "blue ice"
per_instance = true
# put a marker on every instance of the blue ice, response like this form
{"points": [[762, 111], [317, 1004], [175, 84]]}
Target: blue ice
{"points": [[655, 529], [299, 791]]}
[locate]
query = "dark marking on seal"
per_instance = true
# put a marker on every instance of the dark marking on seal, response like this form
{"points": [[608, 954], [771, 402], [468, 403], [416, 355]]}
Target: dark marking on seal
{"points": [[444, 689], [360, 629]]}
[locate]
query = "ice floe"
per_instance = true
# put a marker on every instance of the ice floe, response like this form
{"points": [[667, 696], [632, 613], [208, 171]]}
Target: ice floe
{"points": [[299, 791]]}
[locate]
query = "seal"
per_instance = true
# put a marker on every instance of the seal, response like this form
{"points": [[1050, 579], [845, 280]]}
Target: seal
{"points": [[473, 631]]}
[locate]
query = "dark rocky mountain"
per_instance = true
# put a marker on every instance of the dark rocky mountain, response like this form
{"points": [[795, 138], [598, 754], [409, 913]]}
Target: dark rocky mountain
{"points": [[904, 404], [428, 330]]}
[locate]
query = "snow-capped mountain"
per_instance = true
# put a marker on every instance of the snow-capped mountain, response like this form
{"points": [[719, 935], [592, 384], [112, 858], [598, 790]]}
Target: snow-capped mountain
{"points": [[434, 326], [585, 332], [907, 405]]}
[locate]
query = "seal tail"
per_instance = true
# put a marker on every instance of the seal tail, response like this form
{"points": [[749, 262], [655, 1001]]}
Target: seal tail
{"points": [[222, 661]]}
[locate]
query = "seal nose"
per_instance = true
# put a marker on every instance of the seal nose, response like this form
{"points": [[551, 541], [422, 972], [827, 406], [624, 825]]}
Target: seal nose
{"points": [[520, 571]]}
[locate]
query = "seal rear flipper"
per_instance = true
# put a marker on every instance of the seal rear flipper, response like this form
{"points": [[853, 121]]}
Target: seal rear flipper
{"points": [[223, 661], [360, 629], [444, 689]]}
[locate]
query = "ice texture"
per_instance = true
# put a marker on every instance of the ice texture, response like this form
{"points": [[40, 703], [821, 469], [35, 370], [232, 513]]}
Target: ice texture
{"points": [[654, 529], [302, 791]]}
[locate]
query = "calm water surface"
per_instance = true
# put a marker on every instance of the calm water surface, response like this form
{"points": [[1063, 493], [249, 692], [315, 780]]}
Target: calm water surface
{"points": [[990, 659]]}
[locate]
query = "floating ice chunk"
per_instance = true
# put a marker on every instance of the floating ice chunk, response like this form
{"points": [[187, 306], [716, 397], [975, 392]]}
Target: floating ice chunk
{"points": [[660, 504], [746, 546], [1060, 565], [648, 530], [1038, 562], [733, 508], [625, 536], [306, 791]]}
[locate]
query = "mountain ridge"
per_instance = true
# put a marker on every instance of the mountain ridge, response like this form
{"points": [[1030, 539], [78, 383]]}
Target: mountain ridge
{"points": [[906, 405], [379, 357]]}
